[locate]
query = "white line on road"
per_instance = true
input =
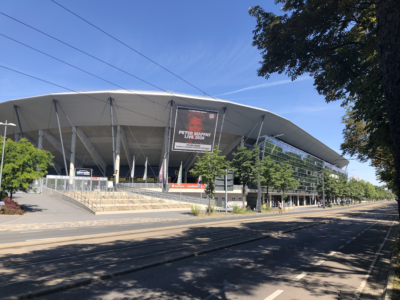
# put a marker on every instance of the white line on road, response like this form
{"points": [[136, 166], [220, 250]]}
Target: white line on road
{"points": [[332, 253], [358, 292], [297, 278], [319, 263], [353, 238], [348, 242], [30, 231], [40, 239], [69, 229], [341, 247], [274, 295]]}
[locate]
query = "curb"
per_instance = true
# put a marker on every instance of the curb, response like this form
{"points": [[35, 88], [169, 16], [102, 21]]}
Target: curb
{"points": [[93, 279]]}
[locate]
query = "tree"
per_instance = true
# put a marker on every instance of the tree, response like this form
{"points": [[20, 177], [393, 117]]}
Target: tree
{"points": [[362, 141], [209, 167], [351, 48], [245, 165], [23, 164], [285, 181], [269, 174]]}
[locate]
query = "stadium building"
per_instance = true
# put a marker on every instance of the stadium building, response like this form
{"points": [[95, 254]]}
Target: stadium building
{"points": [[113, 132]]}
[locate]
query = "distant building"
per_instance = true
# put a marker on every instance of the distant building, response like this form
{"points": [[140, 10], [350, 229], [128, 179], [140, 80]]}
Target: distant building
{"points": [[355, 178]]}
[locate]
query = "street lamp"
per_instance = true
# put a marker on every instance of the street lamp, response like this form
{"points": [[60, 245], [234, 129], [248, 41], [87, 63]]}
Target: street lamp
{"points": [[259, 179], [4, 146]]}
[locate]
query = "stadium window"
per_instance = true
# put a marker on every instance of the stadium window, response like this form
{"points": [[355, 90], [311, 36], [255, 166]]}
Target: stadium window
{"points": [[233, 199]]}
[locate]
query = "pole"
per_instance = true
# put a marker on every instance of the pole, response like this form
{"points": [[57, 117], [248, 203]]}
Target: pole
{"points": [[222, 127], [226, 191], [62, 143], [112, 137], [2, 154]]}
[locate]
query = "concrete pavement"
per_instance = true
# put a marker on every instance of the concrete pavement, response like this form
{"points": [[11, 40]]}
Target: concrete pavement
{"points": [[55, 265], [325, 262]]}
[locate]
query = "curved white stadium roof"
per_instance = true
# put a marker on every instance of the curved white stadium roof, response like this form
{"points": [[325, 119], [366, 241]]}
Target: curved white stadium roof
{"points": [[149, 108]]}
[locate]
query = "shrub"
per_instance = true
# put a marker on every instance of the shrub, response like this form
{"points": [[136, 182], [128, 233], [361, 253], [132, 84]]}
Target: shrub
{"points": [[237, 210], [211, 209], [3, 194], [266, 208], [342, 203], [195, 209], [329, 205]]}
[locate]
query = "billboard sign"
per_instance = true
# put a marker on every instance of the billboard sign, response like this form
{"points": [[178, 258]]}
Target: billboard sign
{"points": [[86, 172], [194, 129], [188, 186]]}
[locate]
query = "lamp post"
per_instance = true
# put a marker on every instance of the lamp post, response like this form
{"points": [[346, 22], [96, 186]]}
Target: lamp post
{"points": [[259, 179], [4, 146]]}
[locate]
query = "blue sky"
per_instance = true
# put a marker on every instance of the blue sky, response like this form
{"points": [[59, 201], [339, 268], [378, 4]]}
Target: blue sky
{"points": [[208, 43]]}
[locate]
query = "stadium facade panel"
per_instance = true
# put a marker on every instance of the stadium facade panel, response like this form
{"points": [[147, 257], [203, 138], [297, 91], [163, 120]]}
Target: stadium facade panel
{"points": [[141, 126]]}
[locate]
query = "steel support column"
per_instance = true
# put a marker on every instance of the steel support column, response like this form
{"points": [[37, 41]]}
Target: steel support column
{"points": [[117, 154], [169, 144], [61, 139], [259, 191], [222, 127], [72, 157], [19, 122], [112, 137]]}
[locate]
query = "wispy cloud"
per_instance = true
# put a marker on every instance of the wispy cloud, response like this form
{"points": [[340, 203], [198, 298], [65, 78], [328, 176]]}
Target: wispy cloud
{"points": [[308, 109], [265, 85]]}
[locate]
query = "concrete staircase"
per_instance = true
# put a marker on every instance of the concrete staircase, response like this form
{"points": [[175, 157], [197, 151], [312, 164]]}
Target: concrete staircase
{"points": [[123, 201]]}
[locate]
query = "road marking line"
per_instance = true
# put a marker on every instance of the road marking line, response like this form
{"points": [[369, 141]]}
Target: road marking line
{"points": [[360, 289], [274, 295], [69, 229], [41, 239], [319, 263], [341, 247], [297, 278], [353, 238], [98, 227], [348, 242], [332, 253], [30, 231]]}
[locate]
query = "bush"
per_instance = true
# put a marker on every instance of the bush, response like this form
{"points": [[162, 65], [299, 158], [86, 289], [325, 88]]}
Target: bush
{"points": [[342, 203], [329, 205], [11, 207], [211, 209], [195, 209], [266, 208], [3, 194], [237, 210]]}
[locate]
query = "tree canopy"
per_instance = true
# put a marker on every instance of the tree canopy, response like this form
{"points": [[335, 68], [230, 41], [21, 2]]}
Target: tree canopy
{"points": [[245, 164], [351, 49], [209, 167], [23, 164]]}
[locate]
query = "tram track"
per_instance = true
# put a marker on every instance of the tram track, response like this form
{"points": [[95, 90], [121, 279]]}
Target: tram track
{"points": [[86, 267]]}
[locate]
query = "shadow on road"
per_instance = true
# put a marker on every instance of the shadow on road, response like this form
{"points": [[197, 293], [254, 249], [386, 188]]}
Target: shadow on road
{"points": [[270, 261]]}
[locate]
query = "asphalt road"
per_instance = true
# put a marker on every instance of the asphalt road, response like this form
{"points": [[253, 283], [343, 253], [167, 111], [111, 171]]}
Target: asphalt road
{"points": [[71, 213], [319, 262]]}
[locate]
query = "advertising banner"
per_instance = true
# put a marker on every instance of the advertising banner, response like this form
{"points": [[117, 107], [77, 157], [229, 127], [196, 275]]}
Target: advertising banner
{"points": [[187, 186], [86, 172], [194, 130]]}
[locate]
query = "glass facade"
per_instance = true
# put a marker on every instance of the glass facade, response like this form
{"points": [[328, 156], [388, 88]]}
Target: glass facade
{"points": [[307, 169]]}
